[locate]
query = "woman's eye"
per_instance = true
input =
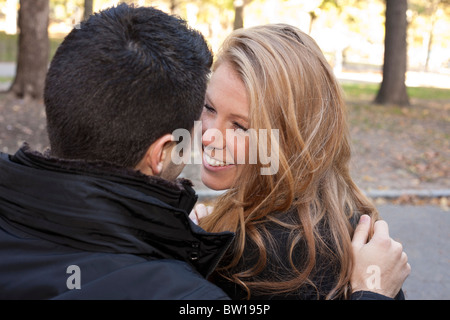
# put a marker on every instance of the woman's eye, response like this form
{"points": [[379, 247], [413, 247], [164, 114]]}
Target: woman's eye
{"points": [[239, 126], [209, 108]]}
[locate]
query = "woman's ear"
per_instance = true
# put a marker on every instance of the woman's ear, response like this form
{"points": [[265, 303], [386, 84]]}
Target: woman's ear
{"points": [[152, 163]]}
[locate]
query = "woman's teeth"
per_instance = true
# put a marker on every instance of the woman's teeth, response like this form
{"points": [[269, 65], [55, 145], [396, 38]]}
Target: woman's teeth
{"points": [[214, 162]]}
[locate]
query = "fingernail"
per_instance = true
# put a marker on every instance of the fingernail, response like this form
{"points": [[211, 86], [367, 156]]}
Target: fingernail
{"points": [[364, 218]]}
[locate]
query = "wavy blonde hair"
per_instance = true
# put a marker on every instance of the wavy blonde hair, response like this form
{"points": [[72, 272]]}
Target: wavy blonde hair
{"points": [[290, 87]]}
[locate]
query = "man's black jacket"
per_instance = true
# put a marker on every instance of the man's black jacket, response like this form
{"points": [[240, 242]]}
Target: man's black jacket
{"points": [[128, 234]]}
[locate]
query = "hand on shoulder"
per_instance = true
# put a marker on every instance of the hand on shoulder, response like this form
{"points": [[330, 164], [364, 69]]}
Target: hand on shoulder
{"points": [[380, 265]]}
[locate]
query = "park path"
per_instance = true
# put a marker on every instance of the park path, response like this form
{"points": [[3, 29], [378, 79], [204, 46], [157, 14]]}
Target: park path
{"points": [[413, 78], [424, 232]]}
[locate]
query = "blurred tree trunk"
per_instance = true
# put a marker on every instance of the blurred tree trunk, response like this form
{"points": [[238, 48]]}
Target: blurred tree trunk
{"points": [[432, 9], [173, 6], [239, 6], [393, 87], [88, 8], [33, 49], [238, 14]]}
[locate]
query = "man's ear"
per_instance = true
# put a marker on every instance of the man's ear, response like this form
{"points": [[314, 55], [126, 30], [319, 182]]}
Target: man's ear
{"points": [[153, 161]]}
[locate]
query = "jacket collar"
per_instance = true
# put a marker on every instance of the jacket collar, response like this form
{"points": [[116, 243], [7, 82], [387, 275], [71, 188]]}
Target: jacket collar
{"points": [[178, 193], [99, 207]]}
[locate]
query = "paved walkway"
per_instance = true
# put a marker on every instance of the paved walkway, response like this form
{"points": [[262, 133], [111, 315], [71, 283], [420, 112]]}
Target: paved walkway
{"points": [[413, 78], [424, 232], [7, 69]]}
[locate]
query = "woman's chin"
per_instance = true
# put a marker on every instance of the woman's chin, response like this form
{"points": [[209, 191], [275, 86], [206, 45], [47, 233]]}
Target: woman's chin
{"points": [[214, 183]]}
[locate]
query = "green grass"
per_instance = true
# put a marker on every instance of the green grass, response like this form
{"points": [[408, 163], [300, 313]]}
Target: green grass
{"points": [[358, 90], [6, 79], [369, 90], [8, 47], [429, 110], [428, 93]]}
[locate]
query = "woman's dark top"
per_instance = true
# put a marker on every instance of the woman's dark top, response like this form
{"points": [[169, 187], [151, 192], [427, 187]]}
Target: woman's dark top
{"points": [[324, 274]]}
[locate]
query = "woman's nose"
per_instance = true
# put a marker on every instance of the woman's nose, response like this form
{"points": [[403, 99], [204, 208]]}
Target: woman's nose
{"points": [[213, 137]]}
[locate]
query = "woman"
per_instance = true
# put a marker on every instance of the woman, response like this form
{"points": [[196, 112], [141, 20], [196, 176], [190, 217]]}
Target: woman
{"points": [[293, 227]]}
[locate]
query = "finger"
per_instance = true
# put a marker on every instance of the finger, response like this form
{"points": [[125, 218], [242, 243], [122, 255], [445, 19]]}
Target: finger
{"points": [[209, 209], [200, 205], [397, 247], [404, 257], [406, 271], [381, 230], [201, 211], [200, 208], [193, 216], [361, 232]]}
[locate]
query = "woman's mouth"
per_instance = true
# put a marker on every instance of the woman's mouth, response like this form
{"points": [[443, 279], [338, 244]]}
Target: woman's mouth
{"points": [[214, 164]]}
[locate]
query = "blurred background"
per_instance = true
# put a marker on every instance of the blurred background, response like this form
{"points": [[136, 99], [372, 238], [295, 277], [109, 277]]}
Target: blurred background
{"points": [[350, 32], [391, 57]]}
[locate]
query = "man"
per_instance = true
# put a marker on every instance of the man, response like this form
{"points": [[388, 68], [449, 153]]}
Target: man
{"points": [[116, 89], [101, 216]]}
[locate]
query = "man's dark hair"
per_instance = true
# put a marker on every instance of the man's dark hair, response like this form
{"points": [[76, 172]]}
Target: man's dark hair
{"points": [[123, 79]]}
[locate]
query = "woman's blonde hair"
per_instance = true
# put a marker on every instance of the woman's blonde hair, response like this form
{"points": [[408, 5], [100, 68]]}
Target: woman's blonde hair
{"points": [[291, 87]]}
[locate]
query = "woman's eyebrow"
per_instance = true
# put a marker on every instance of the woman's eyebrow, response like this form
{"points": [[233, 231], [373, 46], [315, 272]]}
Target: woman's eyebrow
{"points": [[234, 115], [244, 118]]}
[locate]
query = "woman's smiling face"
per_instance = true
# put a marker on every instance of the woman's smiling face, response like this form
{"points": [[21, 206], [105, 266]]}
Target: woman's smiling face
{"points": [[226, 108]]}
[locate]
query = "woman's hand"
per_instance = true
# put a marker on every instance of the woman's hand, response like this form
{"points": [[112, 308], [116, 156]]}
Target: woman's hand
{"points": [[200, 211]]}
